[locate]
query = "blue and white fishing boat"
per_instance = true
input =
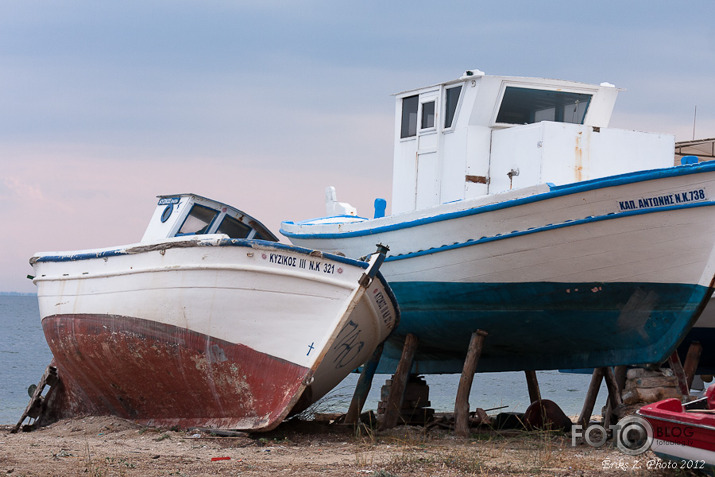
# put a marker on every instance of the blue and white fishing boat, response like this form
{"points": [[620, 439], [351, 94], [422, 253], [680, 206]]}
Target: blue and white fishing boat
{"points": [[516, 210]]}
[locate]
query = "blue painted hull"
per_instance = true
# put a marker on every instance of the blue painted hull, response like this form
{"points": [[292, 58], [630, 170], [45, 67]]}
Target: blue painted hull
{"points": [[542, 325]]}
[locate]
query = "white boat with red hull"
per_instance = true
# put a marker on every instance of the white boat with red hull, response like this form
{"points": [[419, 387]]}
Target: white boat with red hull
{"points": [[207, 322]]}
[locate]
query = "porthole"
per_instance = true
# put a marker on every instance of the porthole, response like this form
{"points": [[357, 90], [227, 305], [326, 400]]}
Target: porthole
{"points": [[167, 213]]}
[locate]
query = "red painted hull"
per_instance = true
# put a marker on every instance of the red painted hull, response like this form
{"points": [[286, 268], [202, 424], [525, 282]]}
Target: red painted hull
{"points": [[669, 424], [158, 374], [685, 437]]}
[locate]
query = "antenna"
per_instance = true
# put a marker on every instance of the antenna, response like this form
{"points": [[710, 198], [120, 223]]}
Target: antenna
{"points": [[695, 115]]}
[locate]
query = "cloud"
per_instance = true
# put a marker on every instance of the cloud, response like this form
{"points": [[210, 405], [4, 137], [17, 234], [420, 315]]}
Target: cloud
{"points": [[16, 190]]}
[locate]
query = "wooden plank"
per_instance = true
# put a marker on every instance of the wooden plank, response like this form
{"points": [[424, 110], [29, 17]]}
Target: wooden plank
{"points": [[533, 384], [461, 405], [50, 375], [362, 389], [677, 369], [614, 395], [399, 381], [620, 373], [619, 376], [591, 396], [692, 359]]}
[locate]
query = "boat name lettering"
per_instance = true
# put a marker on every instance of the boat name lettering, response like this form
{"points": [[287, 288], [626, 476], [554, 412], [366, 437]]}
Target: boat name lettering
{"points": [[169, 200], [315, 266], [286, 260], [383, 307], [663, 200], [289, 261]]}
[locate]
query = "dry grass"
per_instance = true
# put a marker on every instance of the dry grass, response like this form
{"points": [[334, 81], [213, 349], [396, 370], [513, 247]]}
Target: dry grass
{"points": [[112, 447], [491, 453]]}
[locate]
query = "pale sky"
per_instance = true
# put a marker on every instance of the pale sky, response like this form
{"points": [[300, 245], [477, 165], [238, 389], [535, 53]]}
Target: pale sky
{"points": [[104, 105]]}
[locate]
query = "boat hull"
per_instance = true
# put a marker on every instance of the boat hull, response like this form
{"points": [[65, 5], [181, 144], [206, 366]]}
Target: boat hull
{"points": [[167, 375], [686, 439], [624, 323], [607, 272], [207, 332]]}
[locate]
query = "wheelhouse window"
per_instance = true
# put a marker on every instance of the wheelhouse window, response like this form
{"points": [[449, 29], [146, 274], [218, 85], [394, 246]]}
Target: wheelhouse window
{"points": [[526, 106], [233, 228], [409, 116], [452, 99], [427, 115], [198, 220], [260, 236]]}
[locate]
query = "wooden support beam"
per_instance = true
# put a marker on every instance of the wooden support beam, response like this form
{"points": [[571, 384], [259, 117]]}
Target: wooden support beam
{"points": [[692, 359], [37, 402], [620, 372], [533, 384], [461, 405], [591, 395], [619, 376], [614, 395], [677, 369], [362, 389], [399, 381]]}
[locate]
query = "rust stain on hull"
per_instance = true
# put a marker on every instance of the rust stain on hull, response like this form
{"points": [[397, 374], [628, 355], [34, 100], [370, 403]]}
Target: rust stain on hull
{"points": [[159, 374], [578, 155]]}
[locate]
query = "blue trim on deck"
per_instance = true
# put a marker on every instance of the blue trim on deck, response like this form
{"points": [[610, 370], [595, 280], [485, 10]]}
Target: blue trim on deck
{"points": [[568, 223], [90, 255], [556, 191], [72, 257]]}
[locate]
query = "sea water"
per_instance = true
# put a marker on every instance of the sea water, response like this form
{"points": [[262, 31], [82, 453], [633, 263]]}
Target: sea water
{"points": [[493, 392], [24, 355]]}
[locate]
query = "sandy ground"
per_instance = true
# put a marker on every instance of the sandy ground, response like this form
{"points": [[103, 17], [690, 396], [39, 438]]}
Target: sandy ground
{"points": [[109, 446]]}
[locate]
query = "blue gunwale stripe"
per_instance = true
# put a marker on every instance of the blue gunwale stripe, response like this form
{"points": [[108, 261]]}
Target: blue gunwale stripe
{"points": [[228, 242], [569, 223], [556, 191]]}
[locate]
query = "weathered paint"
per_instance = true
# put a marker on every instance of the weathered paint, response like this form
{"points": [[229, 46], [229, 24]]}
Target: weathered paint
{"points": [[164, 375], [209, 332]]}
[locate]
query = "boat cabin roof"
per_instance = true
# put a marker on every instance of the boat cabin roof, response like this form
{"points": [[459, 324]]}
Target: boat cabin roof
{"points": [[505, 101], [179, 215]]}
